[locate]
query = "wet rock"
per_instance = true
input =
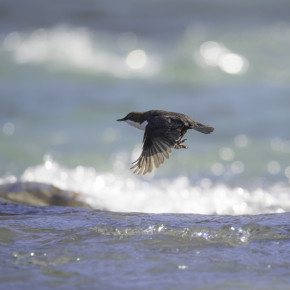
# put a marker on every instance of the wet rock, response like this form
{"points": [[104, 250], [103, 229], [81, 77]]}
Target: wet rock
{"points": [[39, 194]]}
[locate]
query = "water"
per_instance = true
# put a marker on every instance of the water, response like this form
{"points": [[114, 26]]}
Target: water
{"points": [[214, 215], [86, 249]]}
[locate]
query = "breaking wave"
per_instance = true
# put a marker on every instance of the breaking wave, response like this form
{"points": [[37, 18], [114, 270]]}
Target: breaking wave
{"points": [[129, 193]]}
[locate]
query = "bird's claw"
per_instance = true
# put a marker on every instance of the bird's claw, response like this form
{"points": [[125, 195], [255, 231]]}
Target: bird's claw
{"points": [[179, 146]]}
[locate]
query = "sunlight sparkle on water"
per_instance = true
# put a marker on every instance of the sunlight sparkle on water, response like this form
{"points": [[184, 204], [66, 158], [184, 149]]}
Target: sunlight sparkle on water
{"points": [[136, 59], [218, 55], [233, 63], [217, 169], [241, 140], [227, 154], [237, 167], [124, 192], [211, 51], [64, 47]]}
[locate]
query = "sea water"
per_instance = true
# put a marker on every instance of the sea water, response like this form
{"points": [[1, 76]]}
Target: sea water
{"points": [[215, 215]]}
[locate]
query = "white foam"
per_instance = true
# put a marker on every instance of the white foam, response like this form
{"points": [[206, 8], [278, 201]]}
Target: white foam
{"points": [[65, 47], [130, 193]]}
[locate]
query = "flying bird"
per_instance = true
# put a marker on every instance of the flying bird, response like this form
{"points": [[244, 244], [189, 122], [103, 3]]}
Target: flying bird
{"points": [[163, 131]]}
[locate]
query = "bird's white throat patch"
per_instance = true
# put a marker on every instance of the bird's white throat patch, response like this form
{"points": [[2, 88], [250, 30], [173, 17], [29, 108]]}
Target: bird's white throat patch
{"points": [[137, 125]]}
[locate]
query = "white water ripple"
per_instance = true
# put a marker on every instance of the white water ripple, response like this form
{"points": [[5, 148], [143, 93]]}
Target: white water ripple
{"points": [[130, 193]]}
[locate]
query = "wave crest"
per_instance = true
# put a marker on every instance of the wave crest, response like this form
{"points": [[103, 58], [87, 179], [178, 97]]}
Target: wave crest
{"points": [[129, 193]]}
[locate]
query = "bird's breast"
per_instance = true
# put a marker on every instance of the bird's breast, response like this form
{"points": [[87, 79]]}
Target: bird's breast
{"points": [[140, 126]]}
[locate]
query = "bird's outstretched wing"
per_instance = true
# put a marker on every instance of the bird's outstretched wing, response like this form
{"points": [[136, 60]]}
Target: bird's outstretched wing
{"points": [[159, 138]]}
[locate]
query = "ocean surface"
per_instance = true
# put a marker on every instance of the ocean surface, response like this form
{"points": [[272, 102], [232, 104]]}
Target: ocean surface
{"points": [[213, 216]]}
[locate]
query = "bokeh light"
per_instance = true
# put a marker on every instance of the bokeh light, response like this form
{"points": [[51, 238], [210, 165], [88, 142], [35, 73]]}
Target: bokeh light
{"points": [[241, 140], [233, 63], [218, 55], [136, 59], [273, 167], [8, 128], [226, 154]]}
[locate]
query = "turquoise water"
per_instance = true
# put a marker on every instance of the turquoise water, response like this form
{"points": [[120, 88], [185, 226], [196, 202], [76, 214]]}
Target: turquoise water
{"points": [[214, 215]]}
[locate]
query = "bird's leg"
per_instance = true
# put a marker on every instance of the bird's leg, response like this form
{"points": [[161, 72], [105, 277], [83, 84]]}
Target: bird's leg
{"points": [[180, 141]]}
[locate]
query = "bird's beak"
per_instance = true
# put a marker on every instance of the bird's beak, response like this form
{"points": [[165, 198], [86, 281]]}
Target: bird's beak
{"points": [[123, 119]]}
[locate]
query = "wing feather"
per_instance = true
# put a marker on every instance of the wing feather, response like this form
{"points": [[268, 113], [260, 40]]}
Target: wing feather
{"points": [[159, 139]]}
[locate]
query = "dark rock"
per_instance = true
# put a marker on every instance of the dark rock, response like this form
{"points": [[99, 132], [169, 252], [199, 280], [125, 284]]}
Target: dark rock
{"points": [[39, 194]]}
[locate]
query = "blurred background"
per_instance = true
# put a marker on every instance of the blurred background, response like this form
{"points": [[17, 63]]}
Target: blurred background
{"points": [[69, 69]]}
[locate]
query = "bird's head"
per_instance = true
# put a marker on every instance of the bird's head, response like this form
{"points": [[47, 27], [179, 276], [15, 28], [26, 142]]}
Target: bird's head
{"points": [[127, 117], [133, 116]]}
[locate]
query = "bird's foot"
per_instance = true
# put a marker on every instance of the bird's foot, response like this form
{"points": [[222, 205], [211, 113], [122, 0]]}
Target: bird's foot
{"points": [[179, 146]]}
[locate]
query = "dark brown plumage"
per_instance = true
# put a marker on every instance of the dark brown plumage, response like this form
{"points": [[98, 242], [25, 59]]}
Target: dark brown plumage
{"points": [[163, 131]]}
